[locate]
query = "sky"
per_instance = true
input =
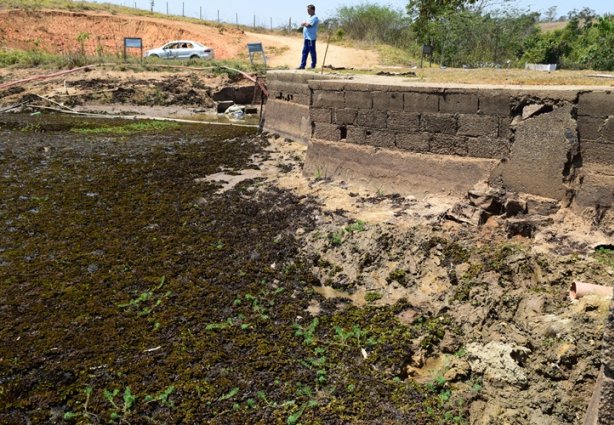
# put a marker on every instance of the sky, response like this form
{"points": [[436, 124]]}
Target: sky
{"points": [[278, 12]]}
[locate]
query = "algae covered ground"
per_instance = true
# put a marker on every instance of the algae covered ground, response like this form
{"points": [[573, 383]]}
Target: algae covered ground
{"points": [[133, 293]]}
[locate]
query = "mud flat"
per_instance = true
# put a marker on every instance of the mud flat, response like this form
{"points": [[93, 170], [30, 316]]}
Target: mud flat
{"points": [[139, 285]]}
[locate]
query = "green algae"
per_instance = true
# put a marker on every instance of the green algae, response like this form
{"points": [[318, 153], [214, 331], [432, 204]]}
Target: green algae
{"points": [[127, 129], [97, 335]]}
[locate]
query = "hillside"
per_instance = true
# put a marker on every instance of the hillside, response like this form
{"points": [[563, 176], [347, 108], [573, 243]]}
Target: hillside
{"points": [[57, 31]]}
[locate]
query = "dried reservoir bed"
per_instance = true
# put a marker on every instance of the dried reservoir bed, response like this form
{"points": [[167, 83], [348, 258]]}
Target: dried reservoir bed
{"points": [[132, 291]]}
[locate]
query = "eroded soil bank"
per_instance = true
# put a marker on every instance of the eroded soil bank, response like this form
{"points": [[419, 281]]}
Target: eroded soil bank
{"points": [[138, 287]]}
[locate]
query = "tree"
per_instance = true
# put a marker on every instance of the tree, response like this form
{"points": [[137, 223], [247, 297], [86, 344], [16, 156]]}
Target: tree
{"points": [[550, 14], [425, 13]]}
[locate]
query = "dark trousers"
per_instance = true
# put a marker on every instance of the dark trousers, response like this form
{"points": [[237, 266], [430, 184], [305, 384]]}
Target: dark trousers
{"points": [[309, 47]]}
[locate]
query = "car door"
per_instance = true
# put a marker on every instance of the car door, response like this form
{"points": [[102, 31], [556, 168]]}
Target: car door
{"points": [[171, 51], [184, 50]]}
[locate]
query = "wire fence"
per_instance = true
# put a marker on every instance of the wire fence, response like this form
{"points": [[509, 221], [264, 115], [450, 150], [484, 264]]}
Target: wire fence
{"points": [[205, 14]]}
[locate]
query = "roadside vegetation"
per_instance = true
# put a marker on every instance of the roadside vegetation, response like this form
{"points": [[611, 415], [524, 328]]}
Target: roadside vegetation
{"points": [[465, 35]]}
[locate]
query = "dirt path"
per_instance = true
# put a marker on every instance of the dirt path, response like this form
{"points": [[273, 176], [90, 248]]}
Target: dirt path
{"points": [[291, 47]]}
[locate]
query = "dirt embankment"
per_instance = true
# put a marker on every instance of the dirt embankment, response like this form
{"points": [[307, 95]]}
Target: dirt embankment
{"points": [[57, 32]]}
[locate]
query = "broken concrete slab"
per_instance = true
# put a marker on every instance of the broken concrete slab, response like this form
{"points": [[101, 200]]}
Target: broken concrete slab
{"points": [[541, 156]]}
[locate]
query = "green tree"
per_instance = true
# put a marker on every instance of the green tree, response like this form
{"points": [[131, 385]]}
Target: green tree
{"points": [[374, 23], [426, 13]]}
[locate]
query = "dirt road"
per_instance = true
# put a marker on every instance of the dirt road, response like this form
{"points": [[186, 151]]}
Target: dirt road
{"points": [[290, 51]]}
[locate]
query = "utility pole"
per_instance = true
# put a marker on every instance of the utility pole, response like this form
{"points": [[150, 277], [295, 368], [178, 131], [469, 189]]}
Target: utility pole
{"points": [[167, 8], [153, 3], [237, 18], [271, 24], [201, 13], [290, 24], [254, 22], [218, 16], [183, 9]]}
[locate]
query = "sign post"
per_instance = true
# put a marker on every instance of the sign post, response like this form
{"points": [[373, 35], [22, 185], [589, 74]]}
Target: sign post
{"points": [[133, 43]]}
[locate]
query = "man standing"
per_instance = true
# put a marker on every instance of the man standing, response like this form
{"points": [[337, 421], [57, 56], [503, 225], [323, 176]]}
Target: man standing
{"points": [[310, 33]]}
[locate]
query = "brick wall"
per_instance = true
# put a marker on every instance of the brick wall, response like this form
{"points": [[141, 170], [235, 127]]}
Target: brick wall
{"points": [[466, 123]]}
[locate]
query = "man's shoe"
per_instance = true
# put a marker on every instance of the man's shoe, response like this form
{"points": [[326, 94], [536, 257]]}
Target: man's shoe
{"points": [[300, 68]]}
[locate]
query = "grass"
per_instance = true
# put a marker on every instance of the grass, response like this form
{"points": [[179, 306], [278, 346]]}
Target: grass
{"points": [[605, 256]]}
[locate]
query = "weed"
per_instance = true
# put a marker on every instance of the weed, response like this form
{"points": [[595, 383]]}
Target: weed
{"points": [[357, 226], [230, 394], [605, 256], [373, 296], [162, 398], [123, 412], [398, 275], [307, 333], [336, 238], [355, 333], [147, 301], [320, 174], [85, 414]]}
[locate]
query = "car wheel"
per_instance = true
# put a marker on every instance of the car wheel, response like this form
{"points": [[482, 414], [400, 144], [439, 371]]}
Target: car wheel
{"points": [[154, 56], [194, 57]]}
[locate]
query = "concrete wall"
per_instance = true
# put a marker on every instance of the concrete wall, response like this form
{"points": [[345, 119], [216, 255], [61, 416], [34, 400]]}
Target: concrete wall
{"points": [[555, 142], [287, 108]]}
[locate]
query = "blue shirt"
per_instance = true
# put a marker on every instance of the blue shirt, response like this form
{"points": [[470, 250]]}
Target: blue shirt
{"points": [[311, 32]]}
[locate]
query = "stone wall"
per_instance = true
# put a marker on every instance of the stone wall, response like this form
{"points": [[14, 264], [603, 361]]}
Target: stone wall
{"points": [[555, 142]]}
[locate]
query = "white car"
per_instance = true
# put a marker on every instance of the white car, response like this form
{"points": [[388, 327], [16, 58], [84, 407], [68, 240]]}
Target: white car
{"points": [[181, 49]]}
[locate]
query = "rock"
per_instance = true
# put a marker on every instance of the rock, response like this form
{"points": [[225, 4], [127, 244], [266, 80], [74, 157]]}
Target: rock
{"points": [[488, 198], [467, 214], [526, 226], [515, 206], [497, 362]]}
